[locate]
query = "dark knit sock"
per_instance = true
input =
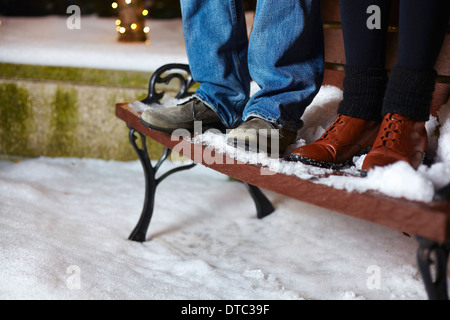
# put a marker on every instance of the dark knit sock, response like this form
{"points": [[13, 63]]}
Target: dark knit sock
{"points": [[364, 90], [409, 93]]}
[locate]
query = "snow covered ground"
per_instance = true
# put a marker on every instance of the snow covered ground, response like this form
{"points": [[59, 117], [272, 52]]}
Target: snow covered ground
{"points": [[65, 222], [63, 218], [48, 41]]}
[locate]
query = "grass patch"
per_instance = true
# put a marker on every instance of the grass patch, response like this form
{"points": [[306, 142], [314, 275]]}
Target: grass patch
{"points": [[15, 115], [87, 75], [63, 122]]}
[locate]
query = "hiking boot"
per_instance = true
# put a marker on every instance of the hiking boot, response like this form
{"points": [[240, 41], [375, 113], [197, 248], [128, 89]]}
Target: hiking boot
{"points": [[259, 135], [182, 116], [399, 139], [344, 139]]}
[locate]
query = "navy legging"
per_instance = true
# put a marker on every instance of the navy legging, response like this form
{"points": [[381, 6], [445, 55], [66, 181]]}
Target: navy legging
{"points": [[368, 94], [422, 27]]}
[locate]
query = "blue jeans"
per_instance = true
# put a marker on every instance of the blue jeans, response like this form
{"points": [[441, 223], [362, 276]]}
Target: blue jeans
{"points": [[284, 56]]}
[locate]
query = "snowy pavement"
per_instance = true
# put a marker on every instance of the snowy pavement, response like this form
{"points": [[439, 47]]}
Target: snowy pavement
{"points": [[48, 41], [65, 223]]}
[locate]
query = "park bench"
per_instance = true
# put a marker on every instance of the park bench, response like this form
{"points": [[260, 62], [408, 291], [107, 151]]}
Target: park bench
{"points": [[428, 222]]}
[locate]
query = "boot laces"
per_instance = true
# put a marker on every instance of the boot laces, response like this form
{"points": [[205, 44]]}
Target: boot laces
{"points": [[333, 128], [391, 132]]}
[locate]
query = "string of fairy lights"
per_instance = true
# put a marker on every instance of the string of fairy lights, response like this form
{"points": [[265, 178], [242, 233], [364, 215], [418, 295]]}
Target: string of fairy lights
{"points": [[134, 24]]}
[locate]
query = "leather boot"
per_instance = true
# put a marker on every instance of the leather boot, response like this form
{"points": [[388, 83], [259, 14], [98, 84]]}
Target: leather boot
{"points": [[345, 138], [399, 139], [182, 116], [259, 135]]}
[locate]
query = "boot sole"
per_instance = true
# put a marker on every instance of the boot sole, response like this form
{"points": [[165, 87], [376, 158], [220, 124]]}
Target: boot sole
{"points": [[328, 165]]}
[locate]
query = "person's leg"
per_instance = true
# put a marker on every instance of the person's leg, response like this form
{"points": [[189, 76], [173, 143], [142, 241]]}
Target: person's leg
{"points": [[422, 27], [286, 60], [359, 113], [215, 35], [406, 108], [365, 74]]}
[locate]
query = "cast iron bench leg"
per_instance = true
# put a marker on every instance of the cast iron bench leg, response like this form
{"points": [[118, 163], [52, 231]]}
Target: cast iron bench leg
{"points": [[151, 182], [263, 206], [432, 259]]}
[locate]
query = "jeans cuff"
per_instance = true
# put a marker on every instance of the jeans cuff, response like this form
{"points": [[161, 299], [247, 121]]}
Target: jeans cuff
{"points": [[209, 103]]}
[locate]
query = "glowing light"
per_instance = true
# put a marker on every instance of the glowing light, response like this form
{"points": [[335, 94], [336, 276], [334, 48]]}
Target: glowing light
{"points": [[118, 22], [127, 1], [114, 5], [133, 26], [118, 28], [146, 29], [122, 30], [145, 13]]}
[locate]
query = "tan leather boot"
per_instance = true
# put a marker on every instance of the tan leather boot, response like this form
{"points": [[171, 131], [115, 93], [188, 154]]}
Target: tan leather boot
{"points": [[182, 116], [345, 138], [258, 135], [399, 139]]}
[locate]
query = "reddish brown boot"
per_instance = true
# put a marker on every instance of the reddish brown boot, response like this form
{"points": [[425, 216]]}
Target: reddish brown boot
{"points": [[345, 138], [399, 139]]}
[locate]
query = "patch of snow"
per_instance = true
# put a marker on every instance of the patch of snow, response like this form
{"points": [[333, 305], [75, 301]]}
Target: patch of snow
{"points": [[65, 222]]}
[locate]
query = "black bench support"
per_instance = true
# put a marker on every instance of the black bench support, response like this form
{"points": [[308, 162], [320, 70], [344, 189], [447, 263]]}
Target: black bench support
{"points": [[151, 182], [263, 206], [432, 259], [161, 76]]}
